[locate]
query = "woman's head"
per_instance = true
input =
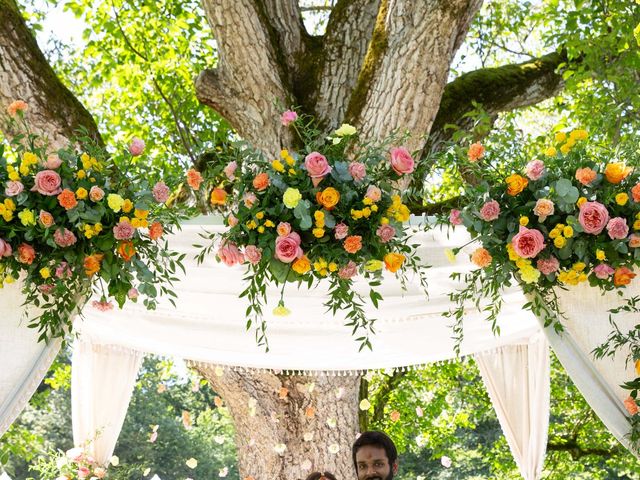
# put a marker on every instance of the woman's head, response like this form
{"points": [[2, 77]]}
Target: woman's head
{"points": [[321, 476]]}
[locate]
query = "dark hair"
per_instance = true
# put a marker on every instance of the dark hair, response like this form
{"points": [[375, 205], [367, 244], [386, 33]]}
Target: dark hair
{"points": [[376, 439], [319, 475]]}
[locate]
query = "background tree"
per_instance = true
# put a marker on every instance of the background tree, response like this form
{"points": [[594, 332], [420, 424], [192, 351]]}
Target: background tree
{"points": [[381, 65]]}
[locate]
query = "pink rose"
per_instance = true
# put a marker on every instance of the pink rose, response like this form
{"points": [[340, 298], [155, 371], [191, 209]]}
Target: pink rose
{"points": [[75, 454], [136, 147], [385, 232], [634, 240], [5, 248], [454, 217], [288, 248], [232, 220], [64, 237], [229, 254], [63, 270], [527, 243], [534, 169], [490, 211], [13, 188], [548, 265], [401, 160], [47, 182], [133, 293], [253, 254], [53, 162], [617, 228], [350, 270], [103, 306], [341, 231], [288, 117], [249, 199], [96, 193], [373, 193], [593, 217], [123, 230], [46, 288], [230, 170], [317, 167], [357, 170], [603, 271], [161, 192], [544, 208]]}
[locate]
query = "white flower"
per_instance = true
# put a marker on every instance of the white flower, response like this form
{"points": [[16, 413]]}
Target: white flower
{"points": [[191, 463], [331, 423], [311, 386], [146, 472], [445, 461], [345, 130], [252, 402], [334, 448], [419, 411], [115, 461], [223, 472], [280, 448], [365, 404], [339, 393], [219, 439], [308, 436], [219, 371]]}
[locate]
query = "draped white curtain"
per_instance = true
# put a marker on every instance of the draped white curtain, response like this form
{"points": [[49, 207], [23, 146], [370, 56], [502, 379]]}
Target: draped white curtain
{"points": [[517, 380], [102, 381], [23, 361]]}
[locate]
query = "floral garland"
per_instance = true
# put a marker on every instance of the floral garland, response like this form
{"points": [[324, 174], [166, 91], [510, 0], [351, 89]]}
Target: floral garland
{"points": [[313, 216], [71, 222], [573, 217]]}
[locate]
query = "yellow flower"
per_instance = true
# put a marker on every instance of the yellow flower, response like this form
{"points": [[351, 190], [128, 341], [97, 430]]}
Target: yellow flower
{"points": [[81, 174], [45, 272], [345, 130], [115, 202], [356, 214], [515, 184], [567, 231], [14, 176], [367, 201], [550, 152], [320, 264], [301, 265], [579, 134], [24, 169], [27, 217], [9, 204], [384, 221], [281, 310], [403, 214], [578, 266], [529, 274], [580, 201], [636, 225], [318, 232], [261, 229], [373, 265], [524, 221], [284, 153], [291, 197], [277, 166], [82, 193], [522, 263], [29, 158], [86, 161], [269, 224], [251, 224], [97, 227], [559, 242], [560, 137], [9, 280], [566, 148], [513, 256], [333, 267], [622, 198], [140, 213], [374, 208], [600, 255], [450, 254], [260, 215], [366, 212], [554, 233], [292, 171]]}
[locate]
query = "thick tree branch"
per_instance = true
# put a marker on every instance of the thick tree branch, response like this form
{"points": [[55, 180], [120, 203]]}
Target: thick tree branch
{"points": [[498, 90], [576, 451], [348, 34], [26, 75], [406, 66]]}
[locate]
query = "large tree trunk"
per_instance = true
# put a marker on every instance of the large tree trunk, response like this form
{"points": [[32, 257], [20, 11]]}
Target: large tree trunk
{"points": [[382, 66], [314, 417]]}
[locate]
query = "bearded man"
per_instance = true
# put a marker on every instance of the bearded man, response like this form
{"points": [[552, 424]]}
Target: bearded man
{"points": [[375, 456]]}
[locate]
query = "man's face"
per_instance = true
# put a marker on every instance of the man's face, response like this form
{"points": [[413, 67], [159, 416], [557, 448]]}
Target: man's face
{"points": [[372, 464]]}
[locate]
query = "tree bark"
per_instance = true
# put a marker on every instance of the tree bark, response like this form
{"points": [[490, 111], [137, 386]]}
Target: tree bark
{"points": [[315, 417], [54, 112]]}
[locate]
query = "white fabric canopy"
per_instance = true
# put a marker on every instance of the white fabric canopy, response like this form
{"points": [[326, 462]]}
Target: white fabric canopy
{"points": [[24, 361], [517, 379]]}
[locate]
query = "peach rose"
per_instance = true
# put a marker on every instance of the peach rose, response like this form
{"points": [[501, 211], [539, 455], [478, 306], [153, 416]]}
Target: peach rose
{"points": [[261, 182], [481, 257], [288, 248], [13, 188], [476, 152], [160, 192], [253, 254], [47, 182], [528, 243], [26, 253], [249, 199], [341, 230], [283, 229], [353, 243], [544, 208], [53, 162], [593, 217], [194, 178], [317, 167], [373, 193], [401, 161], [229, 254], [96, 194], [516, 184], [635, 192], [136, 147], [534, 170], [218, 196], [230, 170], [357, 171], [616, 172], [631, 405], [585, 175], [622, 276], [634, 240], [155, 231]]}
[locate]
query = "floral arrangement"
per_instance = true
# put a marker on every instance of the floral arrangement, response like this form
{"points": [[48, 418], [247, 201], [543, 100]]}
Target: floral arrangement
{"points": [[74, 464], [328, 212], [568, 217], [70, 222]]}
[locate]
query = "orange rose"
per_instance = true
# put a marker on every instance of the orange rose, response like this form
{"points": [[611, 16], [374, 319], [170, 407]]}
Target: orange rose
{"points": [[616, 172], [92, 264], [46, 219], [585, 175], [15, 107], [476, 152], [622, 276], [261, 182], [635, 193], [194, 179], [393, 261], [328, 198], [631, 405], [67, 199], [481, 257], [515, 184], [218, 196], [301, 265], [26, 253], [126, 250], [353, 243], [155, 230]]}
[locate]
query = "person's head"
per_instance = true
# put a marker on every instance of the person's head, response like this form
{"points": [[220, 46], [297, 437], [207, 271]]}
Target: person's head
{"points": [[375, 456], [321, 476]]}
